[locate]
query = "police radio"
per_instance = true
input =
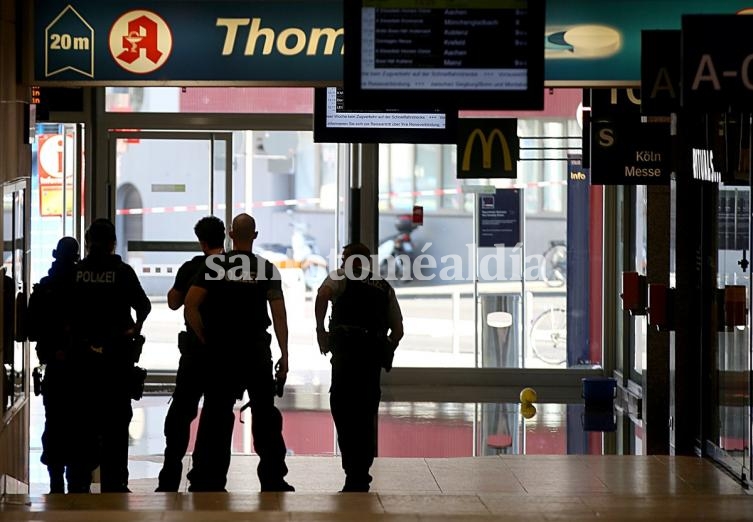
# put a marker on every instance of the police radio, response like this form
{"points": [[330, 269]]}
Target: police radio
{"points": [[279, 380], [38, 377], [138, 382]]}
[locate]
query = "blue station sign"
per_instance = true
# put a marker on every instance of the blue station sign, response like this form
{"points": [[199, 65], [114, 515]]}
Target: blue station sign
{"points": [[163, 42], [300, 42]]}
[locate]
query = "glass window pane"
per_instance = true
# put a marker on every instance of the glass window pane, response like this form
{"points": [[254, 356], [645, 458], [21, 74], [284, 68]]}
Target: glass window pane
{"points": [[234, 100], [428, 174], [160, 201], [402, 161]]}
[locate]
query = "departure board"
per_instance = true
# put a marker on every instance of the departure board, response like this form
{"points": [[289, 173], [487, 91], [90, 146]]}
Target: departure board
{"points": [[466, 54], [334, 124]]}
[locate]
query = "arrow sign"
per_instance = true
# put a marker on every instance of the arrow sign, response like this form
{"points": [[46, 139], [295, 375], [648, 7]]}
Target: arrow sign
{"points": [[69, 45]]}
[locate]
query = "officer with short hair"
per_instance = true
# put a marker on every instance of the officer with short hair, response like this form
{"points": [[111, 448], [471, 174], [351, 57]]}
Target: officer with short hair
{"points": [[227, 309], [365, 328], [106, 290], [49, 324], [189, 380]]}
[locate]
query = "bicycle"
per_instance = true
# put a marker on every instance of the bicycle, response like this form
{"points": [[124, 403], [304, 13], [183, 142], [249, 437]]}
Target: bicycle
{"points": [[555, 263], [548, 337]]}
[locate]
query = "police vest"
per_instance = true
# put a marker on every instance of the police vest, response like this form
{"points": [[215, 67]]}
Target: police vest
{"points": [[237, 294], [49, 313], [363, 304], [105, 288]]}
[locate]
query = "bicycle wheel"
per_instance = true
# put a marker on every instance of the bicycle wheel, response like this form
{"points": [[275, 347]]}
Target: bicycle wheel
{"points": [[555, 265], [549, 336]]}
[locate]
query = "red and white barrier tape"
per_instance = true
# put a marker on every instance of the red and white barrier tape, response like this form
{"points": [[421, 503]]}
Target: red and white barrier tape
{"points": [[220, 206], [309, 201]]}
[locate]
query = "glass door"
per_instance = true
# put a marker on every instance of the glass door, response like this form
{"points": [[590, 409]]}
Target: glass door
{"points": [[731, 416], [164, 183], [15, 291], [56, 203]]}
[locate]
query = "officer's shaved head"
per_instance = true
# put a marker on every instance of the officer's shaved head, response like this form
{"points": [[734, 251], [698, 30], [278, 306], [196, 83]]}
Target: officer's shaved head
{"points": [[243, 228], [356, 249]]}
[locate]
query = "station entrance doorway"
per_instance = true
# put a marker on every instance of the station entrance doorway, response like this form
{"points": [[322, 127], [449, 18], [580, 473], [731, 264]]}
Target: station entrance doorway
{"points": [[162, 183]]}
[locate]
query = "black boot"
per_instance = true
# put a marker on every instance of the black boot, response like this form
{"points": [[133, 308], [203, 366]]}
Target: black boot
{"points": [[169, 479], [280, 485], [57, 480]]}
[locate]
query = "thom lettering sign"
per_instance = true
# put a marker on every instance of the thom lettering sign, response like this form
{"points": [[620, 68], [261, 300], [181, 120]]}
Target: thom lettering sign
{"points": [[287, 42]]}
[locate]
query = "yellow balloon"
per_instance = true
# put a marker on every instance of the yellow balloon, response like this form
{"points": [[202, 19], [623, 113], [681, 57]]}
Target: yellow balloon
{"points": [[528, 395], [527, 410]]}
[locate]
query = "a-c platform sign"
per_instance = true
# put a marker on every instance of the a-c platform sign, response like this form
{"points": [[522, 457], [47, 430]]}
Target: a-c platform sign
{"points": [[660, 72], [717, 63], [487, 148]]}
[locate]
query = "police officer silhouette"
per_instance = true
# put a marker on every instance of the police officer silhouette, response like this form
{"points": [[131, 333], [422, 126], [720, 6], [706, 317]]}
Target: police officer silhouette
{"points": [[106, 291], [365, 327], [227, 309], [49, 324], [189, 380]]}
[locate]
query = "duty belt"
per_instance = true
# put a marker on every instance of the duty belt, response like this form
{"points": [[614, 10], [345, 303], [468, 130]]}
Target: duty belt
{"points": [[351, 330]]}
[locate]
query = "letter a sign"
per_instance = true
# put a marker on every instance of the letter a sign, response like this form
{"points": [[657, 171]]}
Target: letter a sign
{"points": [[487, 148]]}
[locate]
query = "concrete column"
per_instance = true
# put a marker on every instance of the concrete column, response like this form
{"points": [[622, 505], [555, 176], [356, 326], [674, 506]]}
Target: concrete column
{"points": [[101, 187], [369, 232], [612, 273], [15, 161], [656, 372], [694, 243], [15, 151]]}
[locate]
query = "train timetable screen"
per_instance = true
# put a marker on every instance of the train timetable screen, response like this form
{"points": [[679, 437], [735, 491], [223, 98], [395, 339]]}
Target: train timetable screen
{"points": [[443, 47], [333, 123]]}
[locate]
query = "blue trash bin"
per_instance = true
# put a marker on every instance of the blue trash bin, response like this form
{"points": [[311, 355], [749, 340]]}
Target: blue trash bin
{"points": [[598, 392], [598, 420]]}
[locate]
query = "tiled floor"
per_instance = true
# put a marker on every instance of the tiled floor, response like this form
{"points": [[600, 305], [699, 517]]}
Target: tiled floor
{"points": [[481, 488]]}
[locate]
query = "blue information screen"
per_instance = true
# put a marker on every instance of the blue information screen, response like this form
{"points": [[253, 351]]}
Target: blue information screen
{"points": [[499, 218]]}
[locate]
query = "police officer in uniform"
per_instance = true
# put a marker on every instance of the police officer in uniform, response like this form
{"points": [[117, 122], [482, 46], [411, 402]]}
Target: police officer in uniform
{"points": [[189, 380], [365, 327], [106, 290], [49, 324], [227, 309]]}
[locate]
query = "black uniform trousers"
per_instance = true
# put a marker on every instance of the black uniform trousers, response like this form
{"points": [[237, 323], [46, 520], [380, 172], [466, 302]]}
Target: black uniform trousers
{"points": [[354, 400], [58, 402], [184, 407], [211, 456], [101, 424]]}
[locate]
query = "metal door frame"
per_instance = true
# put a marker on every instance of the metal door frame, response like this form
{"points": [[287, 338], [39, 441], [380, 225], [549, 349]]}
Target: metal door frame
{"points": [[10, 188], [211, 137]]}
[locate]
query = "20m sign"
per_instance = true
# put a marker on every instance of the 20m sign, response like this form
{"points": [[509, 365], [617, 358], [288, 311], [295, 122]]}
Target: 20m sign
{"points": [[69, 44]]}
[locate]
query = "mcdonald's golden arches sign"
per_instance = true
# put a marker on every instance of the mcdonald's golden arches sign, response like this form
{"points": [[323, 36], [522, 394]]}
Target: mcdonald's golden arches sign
{"points": [[488, 148]]}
